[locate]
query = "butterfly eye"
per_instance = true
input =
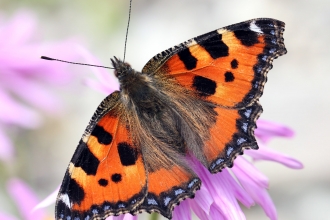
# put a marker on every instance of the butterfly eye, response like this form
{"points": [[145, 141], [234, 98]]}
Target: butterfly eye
{"points": [[117, 74]]}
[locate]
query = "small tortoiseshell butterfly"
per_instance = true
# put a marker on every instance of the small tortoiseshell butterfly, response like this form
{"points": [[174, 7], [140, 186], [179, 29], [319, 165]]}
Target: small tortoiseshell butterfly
{"points": [[197, 99]]}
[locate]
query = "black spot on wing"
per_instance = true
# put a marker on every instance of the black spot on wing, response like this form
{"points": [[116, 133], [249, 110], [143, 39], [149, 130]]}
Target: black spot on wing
{"points": [[85, 159], [188, 60], [103, 137], [116, 177], [204, 86], [127, 154], [75, 192], [103, 182], [229, 77], [213, 45], [247, 37], [234, 64], [81, 146]]}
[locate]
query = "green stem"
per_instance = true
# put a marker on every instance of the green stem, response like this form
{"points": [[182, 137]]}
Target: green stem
{"points": [[154, 216]]}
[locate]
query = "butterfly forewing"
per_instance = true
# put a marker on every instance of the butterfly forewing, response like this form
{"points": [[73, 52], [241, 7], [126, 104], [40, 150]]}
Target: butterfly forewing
{"points": [[106, 175], [227, 66]]}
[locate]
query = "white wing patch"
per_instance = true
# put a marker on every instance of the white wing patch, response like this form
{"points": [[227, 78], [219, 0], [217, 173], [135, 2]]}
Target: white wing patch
{"points": [[255, 28], [222, 30], [65, 199]]}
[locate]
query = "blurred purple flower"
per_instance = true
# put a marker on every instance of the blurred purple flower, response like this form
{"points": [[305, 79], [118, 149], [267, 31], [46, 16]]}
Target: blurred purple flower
{"points": [[219, 194], [25, 199], [105, 82], [47, 201], [243, 182], [25, 79], [123, 217], [268, 130]]}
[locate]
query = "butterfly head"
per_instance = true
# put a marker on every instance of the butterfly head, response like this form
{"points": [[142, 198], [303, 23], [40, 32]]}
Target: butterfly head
{"points": [[121, 68]]}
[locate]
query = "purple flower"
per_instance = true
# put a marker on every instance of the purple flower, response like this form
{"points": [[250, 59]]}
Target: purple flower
{"points": [[25, 199], [268, 130], [123, 217], [25, 79], [106, 82], [243, 183], [220, 193]]}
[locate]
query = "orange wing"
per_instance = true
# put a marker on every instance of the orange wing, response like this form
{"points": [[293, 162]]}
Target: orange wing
{"points": [[231, 134], [227, 66], [106, 175], [167, 187]]}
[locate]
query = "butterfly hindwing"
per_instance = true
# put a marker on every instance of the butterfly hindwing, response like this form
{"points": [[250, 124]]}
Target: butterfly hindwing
{"points": [[230, 135], [167, 187], [106, 175], [227, 66]]}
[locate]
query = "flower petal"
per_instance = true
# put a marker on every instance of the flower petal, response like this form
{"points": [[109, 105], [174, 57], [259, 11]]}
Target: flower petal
{"points": [[25, 199], [98, 86], [216, 214], [243, 167], [203, 199], [18, 30], [182, 212], [49, 200], [123, 217], [222, 194], [4, 216], [130, 217], [6, 146], [238, 191], [266, 153], [198, 211], [106, 78], [254, 187], [262, 198], [38, 95], [267, 130], [13, 112]]}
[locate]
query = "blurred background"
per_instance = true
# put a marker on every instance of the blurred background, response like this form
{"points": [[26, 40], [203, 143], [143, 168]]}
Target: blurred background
{"points": [[39, 150]]}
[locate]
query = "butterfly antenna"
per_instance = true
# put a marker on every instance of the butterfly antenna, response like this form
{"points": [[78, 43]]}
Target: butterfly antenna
{"points": [[129, 19], [85, 64]]}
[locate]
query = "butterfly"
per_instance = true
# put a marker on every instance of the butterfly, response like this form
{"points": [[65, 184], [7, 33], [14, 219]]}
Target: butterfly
{"points": [[198, 99]]}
